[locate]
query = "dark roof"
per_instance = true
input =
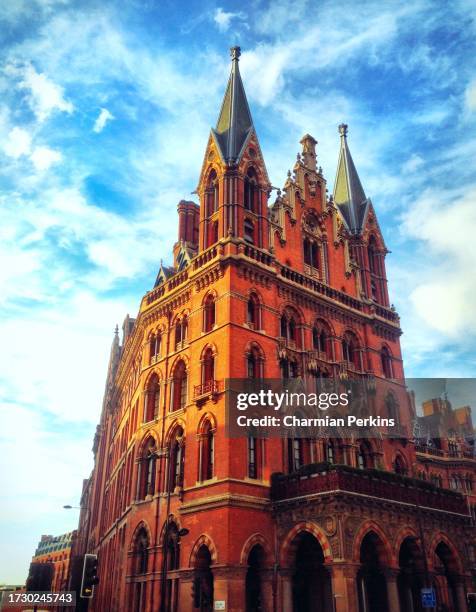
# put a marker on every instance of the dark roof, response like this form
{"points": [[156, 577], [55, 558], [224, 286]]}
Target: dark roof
{"points": [[235, 122], [165, 272], [349, 195]]}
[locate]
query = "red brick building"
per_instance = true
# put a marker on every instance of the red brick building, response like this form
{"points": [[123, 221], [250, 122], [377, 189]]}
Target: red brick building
{"points": [[54, 551], [184, 518]]}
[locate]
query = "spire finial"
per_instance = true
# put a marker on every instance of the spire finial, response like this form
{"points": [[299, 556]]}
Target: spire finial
{"points": [[116, 330], [343, 129], [235, 53]]}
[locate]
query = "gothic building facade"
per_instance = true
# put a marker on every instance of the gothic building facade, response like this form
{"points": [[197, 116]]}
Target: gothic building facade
{"points": [[184, 518]]}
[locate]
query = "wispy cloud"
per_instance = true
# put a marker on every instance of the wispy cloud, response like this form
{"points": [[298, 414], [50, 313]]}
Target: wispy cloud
{"points": [[223, 18], [101, 120]]}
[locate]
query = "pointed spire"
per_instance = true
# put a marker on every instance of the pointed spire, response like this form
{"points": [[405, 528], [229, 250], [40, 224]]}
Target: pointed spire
{"points": [[234, 122], [349, 195]]}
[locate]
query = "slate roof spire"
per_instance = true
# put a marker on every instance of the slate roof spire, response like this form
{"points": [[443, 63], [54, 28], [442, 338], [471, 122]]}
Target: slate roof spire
{"points": [[349, 194], [234, 122]]}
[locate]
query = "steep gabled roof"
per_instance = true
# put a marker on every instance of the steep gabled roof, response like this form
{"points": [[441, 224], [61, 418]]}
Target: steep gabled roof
{"points": [[349, 195], [234, 122]]}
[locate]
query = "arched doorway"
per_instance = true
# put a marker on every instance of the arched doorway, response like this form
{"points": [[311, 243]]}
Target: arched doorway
{"points": [[311, 581], [203, 581], [411, 577], [372, 585], [446, 571], [254, 595]]}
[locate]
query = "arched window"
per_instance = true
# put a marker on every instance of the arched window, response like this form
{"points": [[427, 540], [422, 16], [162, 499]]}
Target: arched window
{"points": [[212, 193], [321, 338], [254, 363], [251, 191], [209, 313], [254, 457], [207, 451], [311, 253], [392, 408], [288, 327], [372, 251], [177, 459], [179, 386], [154, 347], [152, 399], [181, 332], [399, 465], [350, 351], [253, 311], [141, 552], [289, 368], [330, 453], [147, 470], [249, 231], [208, 367], [386, 362], [295, 454], [376, 273], [364, 456], [140, 567]]}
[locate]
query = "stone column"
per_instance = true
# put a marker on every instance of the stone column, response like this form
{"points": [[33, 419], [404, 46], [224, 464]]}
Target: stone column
{"points": [[344, 586], [229, 586], [392, 589], [266, 577], [461, 603], [285, 602], [185, 599]]}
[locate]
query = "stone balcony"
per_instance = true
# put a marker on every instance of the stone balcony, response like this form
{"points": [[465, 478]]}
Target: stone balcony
{"points": [[322, 478]]}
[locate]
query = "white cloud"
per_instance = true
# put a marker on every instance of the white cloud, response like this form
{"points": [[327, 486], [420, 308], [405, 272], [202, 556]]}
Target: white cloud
{"points": [[18, 143], [224, 19], [413, 163], [443, 291], [103, 117], [44, 157], [470, 96], [45, 96]]}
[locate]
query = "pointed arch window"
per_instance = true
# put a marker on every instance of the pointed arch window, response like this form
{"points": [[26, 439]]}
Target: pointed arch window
{"points": [[177, 459], [179, 386], [254, 364], [147, 470], [321, 338], [254, 457], [212, 193], [251, 191], [288, 327], [311, 253], [155, 343], [386, 362], [208, 367], [181, 332], [350, 350], [207, 452], [253, 311], [330, 452], [295, 454], [152, 399], [209, 313]]}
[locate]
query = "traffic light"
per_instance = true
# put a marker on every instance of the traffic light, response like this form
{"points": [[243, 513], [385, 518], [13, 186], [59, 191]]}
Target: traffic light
{"points": [[90, 577]]}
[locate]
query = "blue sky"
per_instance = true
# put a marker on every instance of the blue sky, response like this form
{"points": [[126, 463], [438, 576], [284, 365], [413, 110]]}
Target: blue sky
{"points": [[105, 110]]}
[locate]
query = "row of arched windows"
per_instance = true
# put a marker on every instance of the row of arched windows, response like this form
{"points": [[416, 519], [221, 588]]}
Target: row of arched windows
{"points": [[174, 475]]}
